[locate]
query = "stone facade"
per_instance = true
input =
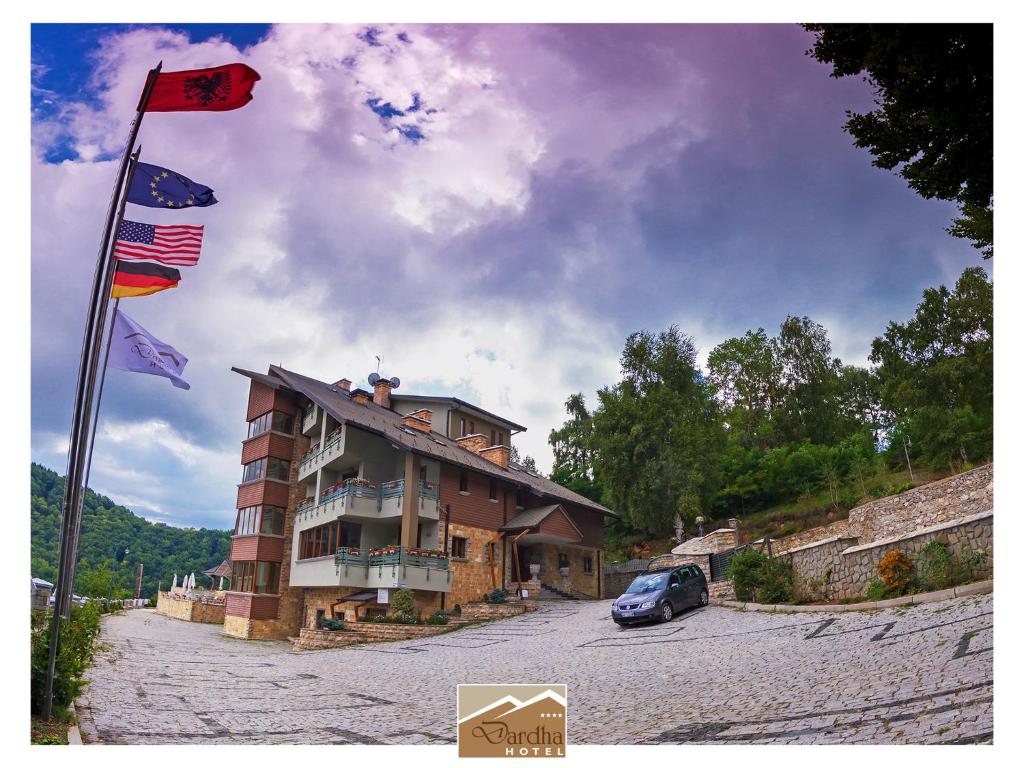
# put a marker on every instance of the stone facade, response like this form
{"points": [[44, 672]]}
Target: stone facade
{"points": [[474, 575], [843, 571], [951, 498], [187, 609]]}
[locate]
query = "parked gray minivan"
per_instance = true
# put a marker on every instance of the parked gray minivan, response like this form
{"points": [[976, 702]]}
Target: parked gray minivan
{"points": [[661, 594]]}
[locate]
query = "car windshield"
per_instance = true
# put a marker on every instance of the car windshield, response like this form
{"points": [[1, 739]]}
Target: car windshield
{"points": [[648, 583]]}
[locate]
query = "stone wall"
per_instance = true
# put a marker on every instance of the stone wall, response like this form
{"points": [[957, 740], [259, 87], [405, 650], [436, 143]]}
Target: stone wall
{"points": [[490, 611], [819, 534], [951, 498], [186, 609], [474, 575], [844, 571], [615, 583]]}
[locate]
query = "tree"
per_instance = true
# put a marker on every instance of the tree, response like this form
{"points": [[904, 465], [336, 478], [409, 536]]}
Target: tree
{"points": [[96, 581], [572, 445], [810, 381], [933, 121], [746, 372], [935, 372], [658, 433], [527, 462]]}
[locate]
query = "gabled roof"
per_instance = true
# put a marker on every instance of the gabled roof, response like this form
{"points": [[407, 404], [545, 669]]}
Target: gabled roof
{"points": [[461, 404], [224, 569], [531, 518], [388, 424]]}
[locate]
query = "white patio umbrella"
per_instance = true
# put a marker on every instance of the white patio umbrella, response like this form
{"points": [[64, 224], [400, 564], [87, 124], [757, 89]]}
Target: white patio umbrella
{"points": [[174, 584], [192, 580]]}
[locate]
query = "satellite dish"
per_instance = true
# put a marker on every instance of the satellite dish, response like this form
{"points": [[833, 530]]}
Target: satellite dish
{"points": [[395, 381], [373, 378]]}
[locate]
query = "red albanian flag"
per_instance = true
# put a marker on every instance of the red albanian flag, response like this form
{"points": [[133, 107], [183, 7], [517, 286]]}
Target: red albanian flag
{"points": [[217, 89]]}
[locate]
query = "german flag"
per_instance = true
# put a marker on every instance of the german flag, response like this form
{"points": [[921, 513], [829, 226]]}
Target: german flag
{"points": [[141, 278]]}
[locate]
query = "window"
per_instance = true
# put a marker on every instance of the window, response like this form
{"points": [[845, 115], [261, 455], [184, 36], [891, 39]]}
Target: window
{"points": [[266, 577], [563, 560], [462, 427], [463, 482], [272, 521], [245, 522], [492, 492], [321, 541], [423, 473], [493, 438], [459, 547], [241, 576], [501, 438], [282, 422], [277, 469], [472, 427], [521, 499], [492, 551], [258, 577], [250, 521], [275, 420], [588, 564], [349, 534], [254, 470]]}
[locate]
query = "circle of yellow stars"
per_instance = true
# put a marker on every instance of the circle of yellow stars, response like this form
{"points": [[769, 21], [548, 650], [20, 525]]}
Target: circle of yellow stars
{"points": [[161, 199]]}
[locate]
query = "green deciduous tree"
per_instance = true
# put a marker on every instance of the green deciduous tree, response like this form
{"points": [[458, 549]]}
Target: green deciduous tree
{"points": [[933, 120], [658, 433], [573, 447], [935, 372]]}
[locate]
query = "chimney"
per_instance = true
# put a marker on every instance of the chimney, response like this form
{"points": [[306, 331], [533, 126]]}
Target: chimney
{"points": [[343, 384], [497, 454], [382, 393], [418, 419], [360, 396], [474, 443]]}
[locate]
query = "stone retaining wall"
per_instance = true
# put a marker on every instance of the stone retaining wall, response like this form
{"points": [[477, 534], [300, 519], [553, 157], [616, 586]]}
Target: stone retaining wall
{"points": [[812, 535], [490, 611], [844, 570], [946, 500], [180, 607], [615, 584]]}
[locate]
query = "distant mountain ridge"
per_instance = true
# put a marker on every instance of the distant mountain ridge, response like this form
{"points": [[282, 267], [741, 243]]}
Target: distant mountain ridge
{"points": [[163, 549]]}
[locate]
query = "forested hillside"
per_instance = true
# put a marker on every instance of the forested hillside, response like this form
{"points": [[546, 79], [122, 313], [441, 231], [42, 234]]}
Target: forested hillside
{"points": [[163, 549]]}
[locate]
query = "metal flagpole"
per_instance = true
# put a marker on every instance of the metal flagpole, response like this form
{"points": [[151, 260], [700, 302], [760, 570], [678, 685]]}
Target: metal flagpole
{"points": [[95, 320]]}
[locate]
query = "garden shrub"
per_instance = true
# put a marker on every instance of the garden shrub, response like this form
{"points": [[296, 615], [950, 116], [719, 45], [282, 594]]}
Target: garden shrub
{"points": [[896, 572], [496, 596], [759, 578], [877, 590], [77, 634], [403, 606], [937, 566], [332, 624]]}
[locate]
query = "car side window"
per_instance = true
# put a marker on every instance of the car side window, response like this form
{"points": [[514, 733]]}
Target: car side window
{"points": [[674, 580]]}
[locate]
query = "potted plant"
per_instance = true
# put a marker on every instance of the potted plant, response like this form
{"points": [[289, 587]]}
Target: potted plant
{"points": [[534, 565]]}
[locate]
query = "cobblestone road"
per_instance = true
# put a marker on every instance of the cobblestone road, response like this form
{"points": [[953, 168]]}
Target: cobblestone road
{"points": [[921, 674]]}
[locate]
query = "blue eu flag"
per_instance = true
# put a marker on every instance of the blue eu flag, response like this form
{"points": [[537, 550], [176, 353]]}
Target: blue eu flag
{"points": [[158, 187]]}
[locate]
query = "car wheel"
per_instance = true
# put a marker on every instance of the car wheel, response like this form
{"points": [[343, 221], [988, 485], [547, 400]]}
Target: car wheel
{"points": [[666, 611], [703, 598]]}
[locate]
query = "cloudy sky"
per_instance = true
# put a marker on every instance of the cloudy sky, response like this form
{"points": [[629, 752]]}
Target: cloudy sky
{"points": [[491, 209]]}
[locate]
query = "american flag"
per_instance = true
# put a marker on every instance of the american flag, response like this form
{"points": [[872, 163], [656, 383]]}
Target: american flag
{"points": [[176, 244]]}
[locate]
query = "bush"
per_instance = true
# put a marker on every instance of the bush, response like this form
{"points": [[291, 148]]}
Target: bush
{"points": [[759, 578], [896, 572], [941, 568], [457, 610], [496, 596], [332, 624], [438, 618], [877, 590], [403, 606], [74, 654]]}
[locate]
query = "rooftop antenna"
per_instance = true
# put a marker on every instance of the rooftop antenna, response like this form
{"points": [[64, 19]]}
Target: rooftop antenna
{"points": [[378, 363]]}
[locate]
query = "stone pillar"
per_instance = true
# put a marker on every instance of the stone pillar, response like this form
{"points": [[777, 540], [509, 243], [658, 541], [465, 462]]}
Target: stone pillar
{"points": [[735, 525], [410, 501]]}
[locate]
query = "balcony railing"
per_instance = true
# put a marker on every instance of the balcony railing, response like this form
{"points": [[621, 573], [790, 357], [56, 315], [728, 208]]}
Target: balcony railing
{"points": [[395, 555]]}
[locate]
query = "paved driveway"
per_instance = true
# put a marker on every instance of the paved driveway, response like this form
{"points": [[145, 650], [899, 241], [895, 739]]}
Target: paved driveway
{"points": [[713, 675]]}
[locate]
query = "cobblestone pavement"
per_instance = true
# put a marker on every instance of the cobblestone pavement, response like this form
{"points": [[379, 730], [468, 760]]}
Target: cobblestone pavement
{"points": [[919, 674]]}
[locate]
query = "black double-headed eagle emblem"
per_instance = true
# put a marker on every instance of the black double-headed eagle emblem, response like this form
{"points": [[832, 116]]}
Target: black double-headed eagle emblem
{"points": [[207, 89]]}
